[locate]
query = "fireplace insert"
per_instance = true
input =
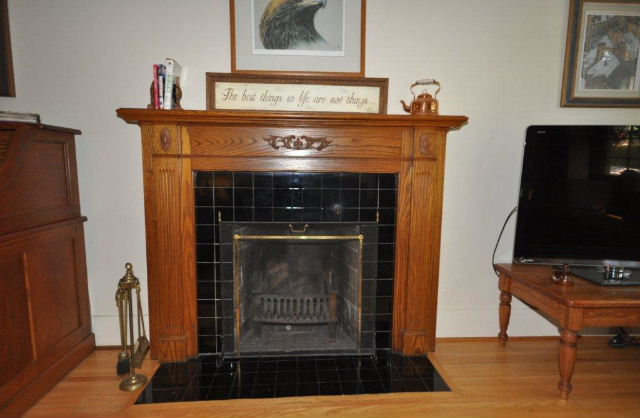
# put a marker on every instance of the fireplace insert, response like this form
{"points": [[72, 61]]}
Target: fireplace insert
{"points": [[298, 289]]}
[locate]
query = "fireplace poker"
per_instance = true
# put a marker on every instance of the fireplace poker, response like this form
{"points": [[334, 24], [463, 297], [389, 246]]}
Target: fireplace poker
{"points": [[124, 360]]}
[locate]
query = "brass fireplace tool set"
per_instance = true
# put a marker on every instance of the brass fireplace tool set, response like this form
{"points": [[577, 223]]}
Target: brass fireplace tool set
{"points": [[133, 351]]}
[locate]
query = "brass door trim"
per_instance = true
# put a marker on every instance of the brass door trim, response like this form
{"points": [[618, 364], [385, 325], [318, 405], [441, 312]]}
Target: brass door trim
{"points": [[360, 237]]}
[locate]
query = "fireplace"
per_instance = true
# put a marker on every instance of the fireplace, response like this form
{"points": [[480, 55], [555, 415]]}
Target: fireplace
{"points": [[192, 310]]}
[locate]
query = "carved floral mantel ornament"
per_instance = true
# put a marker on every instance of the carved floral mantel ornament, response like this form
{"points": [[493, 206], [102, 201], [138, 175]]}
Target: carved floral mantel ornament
{"points": [[165, 139], [298, 143]]}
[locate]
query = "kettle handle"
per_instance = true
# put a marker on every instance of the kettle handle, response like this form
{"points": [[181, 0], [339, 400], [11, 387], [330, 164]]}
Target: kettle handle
{"points": [[425, 82]]}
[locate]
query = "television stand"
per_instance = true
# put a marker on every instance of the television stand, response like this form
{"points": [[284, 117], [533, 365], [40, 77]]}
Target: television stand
{"points": [[571, 308]]}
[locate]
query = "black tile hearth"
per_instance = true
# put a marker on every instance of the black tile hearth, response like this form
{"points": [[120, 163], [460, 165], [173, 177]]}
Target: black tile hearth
{"points": [[214, 378]]}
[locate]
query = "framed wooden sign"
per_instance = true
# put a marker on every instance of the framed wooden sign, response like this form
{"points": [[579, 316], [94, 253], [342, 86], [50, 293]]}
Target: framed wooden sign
{"points": [[298, 37], [296, 94]]}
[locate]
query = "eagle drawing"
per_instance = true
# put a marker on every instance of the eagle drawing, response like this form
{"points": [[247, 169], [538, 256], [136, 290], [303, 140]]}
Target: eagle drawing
{"points": [[289, 24]]}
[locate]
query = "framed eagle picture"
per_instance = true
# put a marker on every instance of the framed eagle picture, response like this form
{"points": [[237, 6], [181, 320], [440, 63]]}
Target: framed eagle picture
{"points": [[304, 37]]}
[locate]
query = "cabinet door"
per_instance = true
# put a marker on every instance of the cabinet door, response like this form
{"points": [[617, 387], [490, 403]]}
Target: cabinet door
{"points": [[54, 293], [44, 309], [16, 351]]}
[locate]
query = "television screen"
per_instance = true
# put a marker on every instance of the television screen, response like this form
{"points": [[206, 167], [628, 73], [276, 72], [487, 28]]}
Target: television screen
{"points": [[579, 199]]}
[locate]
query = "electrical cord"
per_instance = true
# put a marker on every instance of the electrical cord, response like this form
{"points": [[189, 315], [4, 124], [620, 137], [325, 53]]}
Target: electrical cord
{"points": [[504, 225], [623, 340]]}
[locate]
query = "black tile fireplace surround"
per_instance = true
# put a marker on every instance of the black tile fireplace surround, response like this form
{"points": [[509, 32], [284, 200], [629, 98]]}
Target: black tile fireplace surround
{"points": [[297, 198]]}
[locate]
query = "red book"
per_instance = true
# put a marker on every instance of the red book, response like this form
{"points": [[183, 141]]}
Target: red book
{"points": [[156, 90]]}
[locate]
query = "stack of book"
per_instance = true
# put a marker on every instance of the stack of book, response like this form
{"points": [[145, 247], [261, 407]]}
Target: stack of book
{"points": [[166, 77], [19, 117]]}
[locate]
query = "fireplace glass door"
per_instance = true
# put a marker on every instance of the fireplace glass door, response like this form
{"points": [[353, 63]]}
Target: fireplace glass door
{"points": [[298, 288]]}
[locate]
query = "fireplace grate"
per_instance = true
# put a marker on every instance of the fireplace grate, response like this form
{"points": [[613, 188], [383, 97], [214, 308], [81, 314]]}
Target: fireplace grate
{"points": [[289, 310]]}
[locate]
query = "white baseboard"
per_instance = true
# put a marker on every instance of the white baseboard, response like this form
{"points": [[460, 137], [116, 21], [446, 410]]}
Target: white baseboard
{"points": [[452, 322], [483, 322]]}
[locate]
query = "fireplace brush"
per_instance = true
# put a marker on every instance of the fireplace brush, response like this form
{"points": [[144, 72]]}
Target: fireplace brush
{"points": [[133, 351], [124, 361]]}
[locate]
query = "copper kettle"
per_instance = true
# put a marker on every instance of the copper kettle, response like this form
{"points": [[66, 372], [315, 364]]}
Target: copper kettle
{"points": [[424, 104]]}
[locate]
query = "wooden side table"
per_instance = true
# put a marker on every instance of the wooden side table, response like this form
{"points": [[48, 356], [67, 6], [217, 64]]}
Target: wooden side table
{"points": [[571, 308]]}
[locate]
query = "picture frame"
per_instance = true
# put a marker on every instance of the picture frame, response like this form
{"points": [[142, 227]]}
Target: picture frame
{"points": [[266, 40], [7, 86], [296, 94], [601, 67]]}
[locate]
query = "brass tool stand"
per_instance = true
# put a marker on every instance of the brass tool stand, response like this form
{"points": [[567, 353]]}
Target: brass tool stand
{"points": [[137, 350]]}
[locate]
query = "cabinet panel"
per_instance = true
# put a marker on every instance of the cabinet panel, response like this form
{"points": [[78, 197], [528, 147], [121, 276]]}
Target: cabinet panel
{"points": [[16, 351], [45, 160], [54, 293], [38, 179]]}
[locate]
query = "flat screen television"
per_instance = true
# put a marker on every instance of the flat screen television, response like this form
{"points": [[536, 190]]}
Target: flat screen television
{"points": [[579, 200]]}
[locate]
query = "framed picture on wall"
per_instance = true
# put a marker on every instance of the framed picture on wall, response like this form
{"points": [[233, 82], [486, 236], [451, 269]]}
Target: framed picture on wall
{"points": [[305, 37], [601, 61], [7, 87]]}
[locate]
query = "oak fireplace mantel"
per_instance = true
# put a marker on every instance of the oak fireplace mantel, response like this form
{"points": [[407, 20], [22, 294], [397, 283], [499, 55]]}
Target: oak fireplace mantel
{"points": [[178, 143]]}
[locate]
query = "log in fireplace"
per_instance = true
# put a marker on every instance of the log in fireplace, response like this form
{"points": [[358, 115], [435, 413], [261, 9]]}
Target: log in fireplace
{"points": [[179, 145]]}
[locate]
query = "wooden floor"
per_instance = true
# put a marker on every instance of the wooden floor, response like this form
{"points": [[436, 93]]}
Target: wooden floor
{"points": [[488, 380]]}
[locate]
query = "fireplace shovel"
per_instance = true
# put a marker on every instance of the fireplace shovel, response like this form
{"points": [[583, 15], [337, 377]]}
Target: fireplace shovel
{"points": [[142, 345]]}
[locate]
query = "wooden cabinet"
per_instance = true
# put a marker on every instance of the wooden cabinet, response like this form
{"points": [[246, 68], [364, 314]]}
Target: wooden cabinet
{"points": [[45, 321], [177, 143]]}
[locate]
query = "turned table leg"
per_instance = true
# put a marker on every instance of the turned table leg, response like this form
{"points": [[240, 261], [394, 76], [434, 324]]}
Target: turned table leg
{"points": [[505, 314], [567, 360]]}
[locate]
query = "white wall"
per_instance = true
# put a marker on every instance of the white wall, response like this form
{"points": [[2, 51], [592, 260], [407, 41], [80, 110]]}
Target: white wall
{"points": [[500, 62]]}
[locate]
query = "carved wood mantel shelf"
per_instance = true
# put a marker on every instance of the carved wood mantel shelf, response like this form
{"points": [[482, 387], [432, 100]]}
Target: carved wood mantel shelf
{"points": [[177, 143]]}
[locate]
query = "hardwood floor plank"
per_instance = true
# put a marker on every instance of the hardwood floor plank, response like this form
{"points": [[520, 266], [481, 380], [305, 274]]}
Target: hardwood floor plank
{"points": [[488, 380]]}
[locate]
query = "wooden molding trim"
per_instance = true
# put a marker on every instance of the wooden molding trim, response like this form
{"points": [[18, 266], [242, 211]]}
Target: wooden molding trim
{"points": [[484, 339], [289, 119]]}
